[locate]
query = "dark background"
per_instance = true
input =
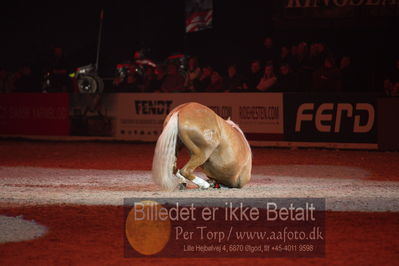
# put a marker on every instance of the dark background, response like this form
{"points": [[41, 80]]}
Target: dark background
{"points": [[29, 30]]}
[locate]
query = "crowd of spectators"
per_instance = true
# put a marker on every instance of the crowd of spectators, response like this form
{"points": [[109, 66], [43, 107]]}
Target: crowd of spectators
{"points": [[20, 81], [300, 67], [391, 81], [29, 79]]}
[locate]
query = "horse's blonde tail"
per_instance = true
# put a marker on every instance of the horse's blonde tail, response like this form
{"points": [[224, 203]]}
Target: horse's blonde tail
{"points": [[165, 155]]}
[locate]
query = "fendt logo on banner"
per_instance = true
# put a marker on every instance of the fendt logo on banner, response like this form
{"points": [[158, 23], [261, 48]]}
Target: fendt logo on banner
{"points": [[149, 107], [329, 119]]}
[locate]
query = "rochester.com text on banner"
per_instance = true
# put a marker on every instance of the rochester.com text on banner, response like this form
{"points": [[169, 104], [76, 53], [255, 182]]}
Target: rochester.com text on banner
{"points": [[222, 227]]}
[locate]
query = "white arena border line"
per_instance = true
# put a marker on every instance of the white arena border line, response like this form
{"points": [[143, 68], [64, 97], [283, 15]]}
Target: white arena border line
{"points": [[350, 192], [330, 145], [283, 144], [16, 229]]}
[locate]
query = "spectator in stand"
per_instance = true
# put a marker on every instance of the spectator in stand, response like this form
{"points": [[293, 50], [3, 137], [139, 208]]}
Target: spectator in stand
{"points": [[216, 84], [3, 81], [24, 81], [395, 72], [348, 74], [150, 83], [315, 60], [268, 79], [387, 86], [58, 68], [205, 78], [269, 52], [301, 53], [328, 77], [294, 51], [192, 82], [160, 74], [308, 64], [232, 81], [287, 80], [131, 84], [160, 71], [321, 53], [391, 78], [254, 76], [301, 66], [173, 81], [285, 56], [395, 89]]}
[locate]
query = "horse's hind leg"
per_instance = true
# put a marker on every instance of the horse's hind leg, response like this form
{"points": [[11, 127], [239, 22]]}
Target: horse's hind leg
{"points": [[179, 146], [198, 158], [182, 180], [187, 171], [245, 175]]}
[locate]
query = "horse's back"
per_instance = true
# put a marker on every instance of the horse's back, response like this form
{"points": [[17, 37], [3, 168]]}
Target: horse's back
{"points": [[200, 124]]}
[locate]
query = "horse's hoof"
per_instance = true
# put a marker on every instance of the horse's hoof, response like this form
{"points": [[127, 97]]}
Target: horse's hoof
{"points": [[220, 186], [211, 182], [182, 186]]}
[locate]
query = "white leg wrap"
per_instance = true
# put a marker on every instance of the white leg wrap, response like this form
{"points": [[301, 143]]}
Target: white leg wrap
{"points": [[182, 179], [200, 182]]}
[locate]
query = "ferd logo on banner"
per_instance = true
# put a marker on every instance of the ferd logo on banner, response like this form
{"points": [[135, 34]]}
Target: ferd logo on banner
{"points": [[329, 118], [324, 116]]}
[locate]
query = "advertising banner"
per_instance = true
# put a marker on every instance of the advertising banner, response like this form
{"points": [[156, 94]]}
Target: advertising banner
{"points": [[388, 123], [335, 8], [93, 114], [34, 114], [330, 118], [141, 116]]}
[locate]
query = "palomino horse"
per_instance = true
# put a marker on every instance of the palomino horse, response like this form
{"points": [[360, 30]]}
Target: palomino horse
{"points": [[216, 145]]}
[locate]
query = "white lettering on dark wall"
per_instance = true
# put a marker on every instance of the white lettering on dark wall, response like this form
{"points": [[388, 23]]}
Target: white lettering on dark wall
{"points": [[323, 116]]}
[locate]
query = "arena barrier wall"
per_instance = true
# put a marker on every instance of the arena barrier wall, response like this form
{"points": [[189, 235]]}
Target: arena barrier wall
{"points": [[34, 114], [268, 119], [388, 123], [139, 117]]}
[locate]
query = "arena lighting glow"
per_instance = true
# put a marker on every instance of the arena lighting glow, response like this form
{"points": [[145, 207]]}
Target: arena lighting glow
{"points": [[178, 56]]}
